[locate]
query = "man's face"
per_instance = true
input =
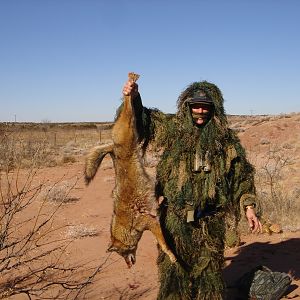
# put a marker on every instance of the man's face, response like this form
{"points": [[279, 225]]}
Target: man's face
{"points": [[201, 113]]}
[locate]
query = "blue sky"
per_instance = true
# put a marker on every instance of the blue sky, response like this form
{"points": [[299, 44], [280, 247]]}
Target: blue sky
{"points": [[66, 60]]}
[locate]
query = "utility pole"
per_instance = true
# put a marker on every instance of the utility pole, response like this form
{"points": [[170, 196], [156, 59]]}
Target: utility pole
{"points": [[15, 118]]}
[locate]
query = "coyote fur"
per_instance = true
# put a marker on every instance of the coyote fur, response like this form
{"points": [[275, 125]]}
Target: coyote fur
{"points": [[135, 203]]}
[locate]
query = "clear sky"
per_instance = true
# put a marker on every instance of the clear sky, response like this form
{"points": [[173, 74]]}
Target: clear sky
{"points": [[67, 60]]}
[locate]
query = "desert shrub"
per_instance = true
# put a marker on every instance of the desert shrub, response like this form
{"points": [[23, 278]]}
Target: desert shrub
{"points": [[279, 203], [264, 141], [16, 151], [58, 193], [287, 146], [34, 249], [33, 256], [257, 122], [287, 116], [68, 159], [81, 231], [46, 144]]}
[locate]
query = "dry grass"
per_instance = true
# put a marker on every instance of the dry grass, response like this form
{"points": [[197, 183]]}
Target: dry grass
{"points": [[81, 231], [68, 159], [273, 147], [33, 248], [59, 193], [23, 144], [34, 259], [279, 199]]}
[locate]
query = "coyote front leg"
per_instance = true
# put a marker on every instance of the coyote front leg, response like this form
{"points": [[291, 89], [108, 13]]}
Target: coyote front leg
{"points": [[157, 232]]}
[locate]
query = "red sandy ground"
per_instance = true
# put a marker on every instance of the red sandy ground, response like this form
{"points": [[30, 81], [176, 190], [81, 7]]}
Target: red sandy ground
{"points": [[280, 252]]}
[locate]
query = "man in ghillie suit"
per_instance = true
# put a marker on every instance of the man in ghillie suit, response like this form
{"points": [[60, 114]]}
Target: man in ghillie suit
{"points": [[206, 183]]}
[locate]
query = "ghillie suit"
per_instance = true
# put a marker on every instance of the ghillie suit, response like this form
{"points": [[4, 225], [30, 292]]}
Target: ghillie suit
{"points": [[203, 173], [135, 204]]}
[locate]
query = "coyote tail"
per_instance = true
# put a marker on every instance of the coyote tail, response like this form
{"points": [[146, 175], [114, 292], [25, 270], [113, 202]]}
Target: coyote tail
{"points": [[94, 159]]}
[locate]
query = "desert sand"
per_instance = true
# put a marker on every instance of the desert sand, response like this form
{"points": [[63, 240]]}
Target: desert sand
{"points": [[91, 210]]}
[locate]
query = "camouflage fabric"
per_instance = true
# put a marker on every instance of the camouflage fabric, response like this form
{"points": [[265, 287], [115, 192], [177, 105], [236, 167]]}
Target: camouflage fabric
{"points": [[202, 173], [263, 284]]}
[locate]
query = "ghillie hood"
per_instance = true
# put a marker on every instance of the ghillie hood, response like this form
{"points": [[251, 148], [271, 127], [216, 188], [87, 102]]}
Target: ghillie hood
{"points": [[212, 91], [213, 134]]}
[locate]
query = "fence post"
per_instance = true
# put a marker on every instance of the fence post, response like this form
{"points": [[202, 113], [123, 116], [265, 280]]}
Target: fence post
{"points": [[75, 138]]}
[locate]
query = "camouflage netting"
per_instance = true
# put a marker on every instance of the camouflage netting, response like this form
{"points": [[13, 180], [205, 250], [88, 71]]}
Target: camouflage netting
{"points": [[212, 193]]}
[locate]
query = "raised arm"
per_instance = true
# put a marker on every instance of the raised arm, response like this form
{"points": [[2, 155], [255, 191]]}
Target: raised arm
{"points": [[151, 123]]}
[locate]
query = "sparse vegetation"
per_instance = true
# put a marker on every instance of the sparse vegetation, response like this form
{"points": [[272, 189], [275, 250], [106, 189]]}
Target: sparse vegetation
{"points": [[42, 229], [272, 143], [280, 204], [33, 245], [48, 144], [68, 159], [58, 193], [81, 231], [264, 141]]}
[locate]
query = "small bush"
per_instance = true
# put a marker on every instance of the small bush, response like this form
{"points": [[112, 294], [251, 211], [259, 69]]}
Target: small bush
{"points": [[68, 159], [279, 204], [264, 141], [287, 146], [34, 257], [58, 193], [81, 231]]}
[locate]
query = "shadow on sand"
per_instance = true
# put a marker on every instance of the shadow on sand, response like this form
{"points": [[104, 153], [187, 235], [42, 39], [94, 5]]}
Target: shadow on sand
{"points": [[280, 257]]}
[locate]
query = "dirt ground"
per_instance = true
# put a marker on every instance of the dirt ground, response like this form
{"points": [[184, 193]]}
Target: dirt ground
{"points": [[91, 208], [279, 252]]}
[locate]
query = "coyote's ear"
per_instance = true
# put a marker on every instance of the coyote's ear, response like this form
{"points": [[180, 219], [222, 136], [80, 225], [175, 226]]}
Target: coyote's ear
{"points": [[111, 248], [114, 245]]}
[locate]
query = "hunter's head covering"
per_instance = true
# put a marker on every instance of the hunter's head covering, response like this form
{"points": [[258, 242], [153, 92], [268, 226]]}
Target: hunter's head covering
{"points": [[203, 92], [215, 132], [200, 97]]}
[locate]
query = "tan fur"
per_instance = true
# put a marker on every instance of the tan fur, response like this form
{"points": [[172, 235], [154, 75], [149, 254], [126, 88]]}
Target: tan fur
{"points": [[135, 203], [94, 159]]}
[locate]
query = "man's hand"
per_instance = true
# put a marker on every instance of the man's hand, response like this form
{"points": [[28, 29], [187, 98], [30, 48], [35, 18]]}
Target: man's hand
{"points": [[130, 89], [253, 221]]}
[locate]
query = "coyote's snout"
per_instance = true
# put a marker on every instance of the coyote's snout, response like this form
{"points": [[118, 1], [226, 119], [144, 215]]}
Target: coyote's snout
{"points": [[135, 203]]}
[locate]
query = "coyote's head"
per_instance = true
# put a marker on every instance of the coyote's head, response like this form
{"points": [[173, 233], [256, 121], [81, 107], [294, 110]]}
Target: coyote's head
{"points": [[128, 252]]}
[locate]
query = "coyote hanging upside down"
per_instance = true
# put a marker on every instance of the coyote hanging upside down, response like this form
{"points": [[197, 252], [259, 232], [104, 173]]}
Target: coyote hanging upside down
{"points": [[135, 203]]}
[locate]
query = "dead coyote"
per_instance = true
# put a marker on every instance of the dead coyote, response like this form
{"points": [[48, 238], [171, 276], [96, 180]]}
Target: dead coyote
{"points": [[135, 203]]}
